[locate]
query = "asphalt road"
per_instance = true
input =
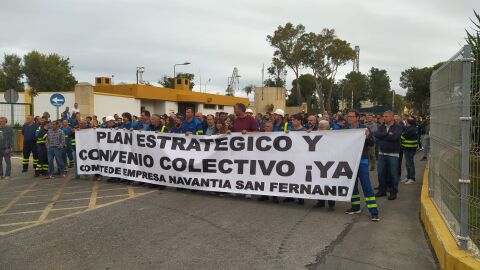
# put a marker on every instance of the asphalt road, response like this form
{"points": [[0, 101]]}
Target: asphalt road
{"points": [[86, 224]]}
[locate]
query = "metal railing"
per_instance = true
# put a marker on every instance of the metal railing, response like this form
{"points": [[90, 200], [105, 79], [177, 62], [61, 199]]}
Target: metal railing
{"points": [[454, 181]]}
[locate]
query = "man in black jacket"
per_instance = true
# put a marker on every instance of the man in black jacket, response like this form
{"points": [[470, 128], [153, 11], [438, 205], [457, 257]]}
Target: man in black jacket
{"points": [[388, 140]]}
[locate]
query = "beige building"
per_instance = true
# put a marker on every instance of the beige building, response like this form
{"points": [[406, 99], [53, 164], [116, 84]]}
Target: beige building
{"points": [[272, 98], [265, 97]]}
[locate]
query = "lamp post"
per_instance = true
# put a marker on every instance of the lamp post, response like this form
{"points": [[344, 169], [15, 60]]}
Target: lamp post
{"points": [[393, 101], [140, 71], [205, 85], [184, 64]]}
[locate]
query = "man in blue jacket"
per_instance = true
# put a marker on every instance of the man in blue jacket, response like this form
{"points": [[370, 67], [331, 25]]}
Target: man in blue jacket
{"points": [[388, 140], [29, 143], [191, 125]]}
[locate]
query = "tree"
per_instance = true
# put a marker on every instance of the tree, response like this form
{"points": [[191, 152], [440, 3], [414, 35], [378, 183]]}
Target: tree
{"points": [[417, 83], [289, 49], [338, 54], [307, 87], [379, 86], [356, 83], [168, 82], [11, 73], [277, 74], [48, 73], [315, 57], [249, 89]]}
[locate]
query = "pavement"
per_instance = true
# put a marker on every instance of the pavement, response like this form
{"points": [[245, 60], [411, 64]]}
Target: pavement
{"points": [[87, 224]]}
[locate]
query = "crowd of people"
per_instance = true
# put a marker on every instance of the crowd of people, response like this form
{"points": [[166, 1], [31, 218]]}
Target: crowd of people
{"points": [[389, 139]]}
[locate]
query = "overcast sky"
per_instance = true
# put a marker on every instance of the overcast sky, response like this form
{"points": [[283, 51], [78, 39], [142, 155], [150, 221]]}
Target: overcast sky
{"points": [[104, 38]]}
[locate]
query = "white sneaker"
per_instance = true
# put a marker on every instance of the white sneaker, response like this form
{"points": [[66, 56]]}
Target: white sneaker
{"points": [[410, 181], [6, 177], [404, 180]]}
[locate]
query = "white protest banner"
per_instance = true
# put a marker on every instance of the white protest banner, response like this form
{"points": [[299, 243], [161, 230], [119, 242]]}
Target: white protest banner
{"points": [[315, 165]]}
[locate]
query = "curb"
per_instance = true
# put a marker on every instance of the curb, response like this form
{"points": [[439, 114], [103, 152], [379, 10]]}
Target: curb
{"points": [[449, 255]]}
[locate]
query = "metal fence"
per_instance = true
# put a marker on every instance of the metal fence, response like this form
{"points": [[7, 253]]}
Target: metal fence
{"points": [[454, 183], [15, 112]]}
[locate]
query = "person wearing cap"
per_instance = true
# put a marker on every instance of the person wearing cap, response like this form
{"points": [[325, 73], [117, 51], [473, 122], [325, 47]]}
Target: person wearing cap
{"points": [[109, 122], [280, 124]]}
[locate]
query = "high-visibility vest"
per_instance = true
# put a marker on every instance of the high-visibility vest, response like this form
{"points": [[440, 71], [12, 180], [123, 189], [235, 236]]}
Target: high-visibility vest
{"points": [[408, 143]]}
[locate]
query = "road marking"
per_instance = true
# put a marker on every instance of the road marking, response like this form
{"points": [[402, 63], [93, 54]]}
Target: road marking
{"points": [[74, 214], [131, 192], [55, 197], [90, 190], [17, 223], [93, 197], [18, 197]]}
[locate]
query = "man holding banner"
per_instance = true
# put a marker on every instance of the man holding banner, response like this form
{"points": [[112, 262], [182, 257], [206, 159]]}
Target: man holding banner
{"points": [[363, 173]]}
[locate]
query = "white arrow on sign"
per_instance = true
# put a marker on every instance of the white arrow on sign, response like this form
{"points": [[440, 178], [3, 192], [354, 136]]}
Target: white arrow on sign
{"points": [[56, 99]]}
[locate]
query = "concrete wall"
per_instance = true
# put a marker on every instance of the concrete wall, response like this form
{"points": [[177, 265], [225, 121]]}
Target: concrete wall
{"points": [[269, 95], [110, 105], [159, 106], [41, 103]]}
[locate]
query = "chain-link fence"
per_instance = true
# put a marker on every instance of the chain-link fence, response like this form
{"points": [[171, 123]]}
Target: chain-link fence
{"points": [[15, 112], [454, 183]]}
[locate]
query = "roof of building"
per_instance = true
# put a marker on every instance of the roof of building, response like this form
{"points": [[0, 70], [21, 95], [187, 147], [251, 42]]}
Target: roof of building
{"points": [[141, 91]]}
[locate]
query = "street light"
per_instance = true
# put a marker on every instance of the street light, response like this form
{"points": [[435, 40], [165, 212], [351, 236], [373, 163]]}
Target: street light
{"points": [[184, 64], [140, 71], [209, 80]]}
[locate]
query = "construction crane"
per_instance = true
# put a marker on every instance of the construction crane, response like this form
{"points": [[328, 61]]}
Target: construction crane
{"points": [[233, 82]]}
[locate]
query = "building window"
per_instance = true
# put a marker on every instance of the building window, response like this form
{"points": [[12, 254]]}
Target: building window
{"points": [[99, 80], [107, 81], [221, 107], [179, 81], [210, 106], [186, 81]]}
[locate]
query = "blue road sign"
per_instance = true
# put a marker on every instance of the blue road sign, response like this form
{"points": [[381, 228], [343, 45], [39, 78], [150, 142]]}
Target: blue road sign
{"points": [[57, 100]]}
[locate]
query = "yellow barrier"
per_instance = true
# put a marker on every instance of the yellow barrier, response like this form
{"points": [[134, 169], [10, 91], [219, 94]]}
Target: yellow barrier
{"points": [[449, 255]]}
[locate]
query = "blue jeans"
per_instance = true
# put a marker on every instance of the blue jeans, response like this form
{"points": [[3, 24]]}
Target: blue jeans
{"points": [[387, 168], [364, 178], [7, 161], [57, 154], [409, 154]]}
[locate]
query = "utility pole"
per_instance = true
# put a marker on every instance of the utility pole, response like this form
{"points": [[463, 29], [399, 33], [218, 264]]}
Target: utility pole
{"points": [[393, 101]]}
